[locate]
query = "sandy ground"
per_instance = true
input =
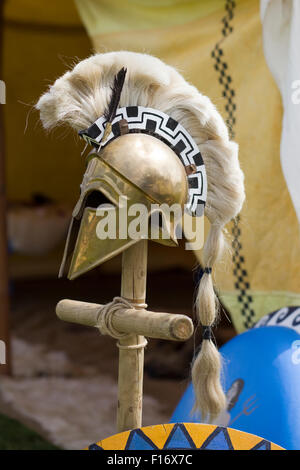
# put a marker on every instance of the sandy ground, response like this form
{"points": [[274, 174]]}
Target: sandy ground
{"points": [[72, 410], [64, 382]]}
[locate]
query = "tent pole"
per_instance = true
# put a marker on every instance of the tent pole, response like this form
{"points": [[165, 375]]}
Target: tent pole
{"points": [[4, 283]]}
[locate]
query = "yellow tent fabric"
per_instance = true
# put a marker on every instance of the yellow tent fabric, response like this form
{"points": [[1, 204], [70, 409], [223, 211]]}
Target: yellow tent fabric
{"points": [[106, 16], [40, 41], [218, 47], [33, 12]]}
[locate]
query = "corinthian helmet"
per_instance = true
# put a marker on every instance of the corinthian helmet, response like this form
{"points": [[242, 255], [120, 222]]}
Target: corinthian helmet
{"points": [[156, 140]]}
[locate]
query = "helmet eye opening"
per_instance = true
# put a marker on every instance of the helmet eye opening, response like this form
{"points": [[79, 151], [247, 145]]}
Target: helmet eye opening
{"points": [[95, 199]]}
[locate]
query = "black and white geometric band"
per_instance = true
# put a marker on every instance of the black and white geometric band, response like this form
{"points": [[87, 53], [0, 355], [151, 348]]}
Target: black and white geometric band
{"points": [[165, 128]]}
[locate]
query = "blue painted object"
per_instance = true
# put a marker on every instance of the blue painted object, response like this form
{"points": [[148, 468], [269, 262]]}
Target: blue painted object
{"points": [[261, 375]]}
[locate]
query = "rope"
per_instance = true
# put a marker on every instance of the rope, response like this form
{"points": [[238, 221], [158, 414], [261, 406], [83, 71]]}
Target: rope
{"points": [[133, 346], [105, 317], [105, 322]]}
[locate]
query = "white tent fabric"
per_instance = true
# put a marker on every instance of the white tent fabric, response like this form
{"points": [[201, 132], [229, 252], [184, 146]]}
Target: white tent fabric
{"points": [[281, 38]]}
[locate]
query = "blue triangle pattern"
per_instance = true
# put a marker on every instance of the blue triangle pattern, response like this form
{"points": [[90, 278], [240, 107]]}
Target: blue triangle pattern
{"points": [[217, 441], [178, 440], [95, 447], [263, 445], [138, 442]]}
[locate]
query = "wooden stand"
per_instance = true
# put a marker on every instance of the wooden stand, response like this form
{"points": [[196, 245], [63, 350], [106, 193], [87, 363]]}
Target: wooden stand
{"points": [[132, 322], [131, 361]]}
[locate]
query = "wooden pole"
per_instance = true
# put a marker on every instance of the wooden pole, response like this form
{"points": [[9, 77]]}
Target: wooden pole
{"points": [[131, 356], [4, 284], [169, 326]]}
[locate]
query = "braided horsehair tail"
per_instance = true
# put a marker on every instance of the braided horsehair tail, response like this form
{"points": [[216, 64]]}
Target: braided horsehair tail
{"points": [[210, 398]]}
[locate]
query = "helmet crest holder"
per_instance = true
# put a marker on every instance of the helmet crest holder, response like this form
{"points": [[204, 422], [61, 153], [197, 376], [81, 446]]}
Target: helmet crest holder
{"points": [[126, 318]]}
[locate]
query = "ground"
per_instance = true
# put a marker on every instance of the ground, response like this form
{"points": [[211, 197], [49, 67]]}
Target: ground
{"points": [[16, 436]]}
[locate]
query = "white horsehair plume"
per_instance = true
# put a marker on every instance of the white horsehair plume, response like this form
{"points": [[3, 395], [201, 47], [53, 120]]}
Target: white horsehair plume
{"points": [[81, 95]]}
